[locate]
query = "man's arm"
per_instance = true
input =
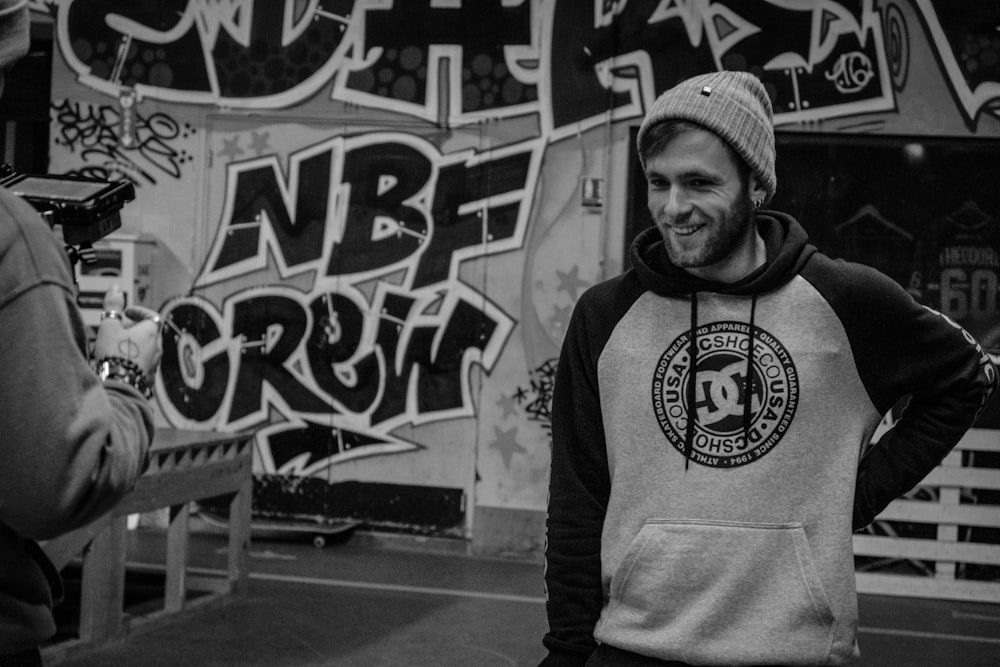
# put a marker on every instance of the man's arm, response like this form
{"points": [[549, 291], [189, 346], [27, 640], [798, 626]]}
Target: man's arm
{"points": [[578, 497], [949, 379], [902, 348], [71, 446]]}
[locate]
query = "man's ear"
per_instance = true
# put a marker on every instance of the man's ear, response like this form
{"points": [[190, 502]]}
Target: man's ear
{"points": [[758, 193]]}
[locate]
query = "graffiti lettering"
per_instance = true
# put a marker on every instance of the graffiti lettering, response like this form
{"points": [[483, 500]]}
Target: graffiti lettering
{"points": [[390, 363], [195, 368], [788, 47], [537, 398], [966, 43], [259, 202], [386, 335], [92, 131], [402, 68], [306, 448], [392, 202], [851, 72], [385, 182], [256, 53], [608, 61]]}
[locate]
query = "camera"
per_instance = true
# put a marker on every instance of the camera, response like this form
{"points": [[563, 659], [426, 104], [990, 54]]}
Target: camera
{"points": [[86, 209]]}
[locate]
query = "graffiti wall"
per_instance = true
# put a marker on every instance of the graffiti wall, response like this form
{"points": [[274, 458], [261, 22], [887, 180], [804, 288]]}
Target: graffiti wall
{"points": [[384, 211]]}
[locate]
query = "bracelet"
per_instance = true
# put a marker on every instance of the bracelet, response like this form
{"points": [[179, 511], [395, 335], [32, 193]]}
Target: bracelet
{"points": [[123, 370]]}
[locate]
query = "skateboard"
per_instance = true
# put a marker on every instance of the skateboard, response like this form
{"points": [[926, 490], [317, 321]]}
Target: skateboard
{"points": [[320, 532]]}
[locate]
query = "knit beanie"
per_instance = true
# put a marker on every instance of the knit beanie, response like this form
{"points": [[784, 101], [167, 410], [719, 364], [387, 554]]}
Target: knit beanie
{"points": [[14, 36], [733, 105]]}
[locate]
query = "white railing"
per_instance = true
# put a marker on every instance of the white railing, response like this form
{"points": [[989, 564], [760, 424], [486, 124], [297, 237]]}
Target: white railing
{"points": [[954, 504]]}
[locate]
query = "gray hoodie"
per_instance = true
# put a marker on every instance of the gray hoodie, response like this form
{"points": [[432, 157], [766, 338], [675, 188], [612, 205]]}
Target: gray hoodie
{"points": [[70, 445], [707, 517]]}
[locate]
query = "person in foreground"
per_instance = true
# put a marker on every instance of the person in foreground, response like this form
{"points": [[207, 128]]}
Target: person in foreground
{"points": [[711, 408], [74, 439]]}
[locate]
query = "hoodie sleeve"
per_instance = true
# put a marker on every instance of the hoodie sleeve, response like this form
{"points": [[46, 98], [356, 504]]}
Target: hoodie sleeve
{"points": [[578, 491], [72, 446], [903, 349]]}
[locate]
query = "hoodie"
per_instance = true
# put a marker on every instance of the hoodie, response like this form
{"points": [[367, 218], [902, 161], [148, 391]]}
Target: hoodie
{"points": [[710, 455], [72, 446]]}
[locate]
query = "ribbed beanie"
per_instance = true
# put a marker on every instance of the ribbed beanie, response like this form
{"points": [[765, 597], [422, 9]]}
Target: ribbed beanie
{"points": [[14, 36], [735, 106]]}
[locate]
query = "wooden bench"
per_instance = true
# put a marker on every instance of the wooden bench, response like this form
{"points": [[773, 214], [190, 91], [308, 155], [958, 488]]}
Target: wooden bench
{"points": [[185, 466]]}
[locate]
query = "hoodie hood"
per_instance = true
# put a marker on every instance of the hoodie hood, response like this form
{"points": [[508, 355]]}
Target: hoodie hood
{"points": [[787, 250]]}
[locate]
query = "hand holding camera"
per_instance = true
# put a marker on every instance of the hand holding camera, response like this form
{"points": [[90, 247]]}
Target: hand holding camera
{"points": [[128, 346]]}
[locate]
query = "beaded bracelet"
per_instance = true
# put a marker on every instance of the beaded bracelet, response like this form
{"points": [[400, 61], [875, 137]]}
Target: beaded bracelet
{"points": [[123, 370]]}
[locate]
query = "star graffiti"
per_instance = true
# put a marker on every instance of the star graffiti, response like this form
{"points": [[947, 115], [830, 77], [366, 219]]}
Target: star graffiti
{"points": [[506, 443], [508, 404], [258, 142], [231, 148], [569, 281]]}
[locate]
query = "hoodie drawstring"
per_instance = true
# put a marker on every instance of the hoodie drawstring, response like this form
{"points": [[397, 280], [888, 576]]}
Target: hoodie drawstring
{"points": [[691, 386], [748, 382]]}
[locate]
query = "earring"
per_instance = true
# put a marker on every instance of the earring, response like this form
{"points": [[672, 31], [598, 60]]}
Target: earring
{"points": [[757, 203]]}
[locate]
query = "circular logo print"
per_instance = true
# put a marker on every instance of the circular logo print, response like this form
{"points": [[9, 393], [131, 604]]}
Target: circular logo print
{"points": [[720, 394]]}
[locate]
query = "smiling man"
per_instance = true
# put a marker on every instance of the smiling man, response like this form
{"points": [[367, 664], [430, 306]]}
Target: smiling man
{"points": [[700, 196], [713, 409]]}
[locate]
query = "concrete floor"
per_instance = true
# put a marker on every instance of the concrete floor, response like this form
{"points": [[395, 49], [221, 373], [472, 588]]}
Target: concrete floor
{"points": [[376, 600]]}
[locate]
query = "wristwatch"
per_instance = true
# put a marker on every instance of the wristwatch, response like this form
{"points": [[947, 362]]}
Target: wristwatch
{"points": [[123, 370]]}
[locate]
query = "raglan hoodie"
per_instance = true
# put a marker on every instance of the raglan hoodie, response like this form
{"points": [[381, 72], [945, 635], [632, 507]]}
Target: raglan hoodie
{"points": [[707, 517], [71, 446]]}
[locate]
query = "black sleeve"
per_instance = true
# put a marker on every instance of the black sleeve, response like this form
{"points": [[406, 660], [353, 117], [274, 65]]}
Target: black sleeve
{"points": [[578, 494], [949, 380], [903, 349]]}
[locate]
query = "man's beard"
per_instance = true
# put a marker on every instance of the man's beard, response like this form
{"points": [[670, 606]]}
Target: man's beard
{"points": [[727, 234]]}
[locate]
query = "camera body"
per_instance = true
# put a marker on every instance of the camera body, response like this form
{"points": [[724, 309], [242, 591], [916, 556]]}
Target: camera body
{"points": [[86, 209]]}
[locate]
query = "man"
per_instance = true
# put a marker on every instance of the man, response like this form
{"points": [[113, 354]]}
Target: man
{"points": [[73, 440], [712, 404]]}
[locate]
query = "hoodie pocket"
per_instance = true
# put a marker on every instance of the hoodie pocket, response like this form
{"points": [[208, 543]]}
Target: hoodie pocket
{"points": [[720, 591]]}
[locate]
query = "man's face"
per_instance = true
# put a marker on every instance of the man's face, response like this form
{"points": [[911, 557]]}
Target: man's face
{"points": [[702, 206]]}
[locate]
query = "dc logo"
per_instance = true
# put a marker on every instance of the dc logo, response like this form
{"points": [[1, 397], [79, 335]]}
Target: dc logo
{"points": [[720, 394]]}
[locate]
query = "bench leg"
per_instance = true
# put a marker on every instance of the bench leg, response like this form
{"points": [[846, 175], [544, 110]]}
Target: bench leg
{"points": [[102, 594], [239, 536], [177, 548]]}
